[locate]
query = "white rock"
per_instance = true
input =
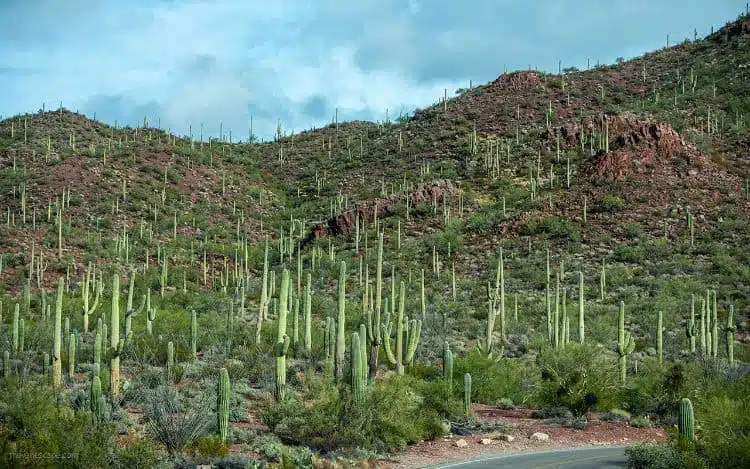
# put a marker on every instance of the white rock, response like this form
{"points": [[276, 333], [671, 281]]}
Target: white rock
{"points": [[461, 443], [485, 441], [539, 436]]}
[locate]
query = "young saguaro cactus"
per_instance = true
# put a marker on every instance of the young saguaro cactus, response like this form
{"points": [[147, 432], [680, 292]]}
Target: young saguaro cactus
{"points": [[376, 338], [467, 394], [448, 366], [686, 424], [57, 337], [581, 302], [223, 400], [308, 315], [625, 344], [97, 401], [129, 310], [15, 338]]}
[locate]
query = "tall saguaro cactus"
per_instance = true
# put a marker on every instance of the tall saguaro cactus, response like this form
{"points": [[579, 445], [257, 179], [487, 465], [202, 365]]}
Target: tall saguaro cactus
{"points": [[625, 344], [86, 292], [581, 302], [690, 327], [223, 399], [731, 327], [308, 314], [57, 337], [341, 323], [282, 339], [376, 338], [115, 344], [660, 337]]}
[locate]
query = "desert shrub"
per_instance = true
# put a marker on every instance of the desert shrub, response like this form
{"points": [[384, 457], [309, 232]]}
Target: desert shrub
{"points": [[493, 379], [142, 453], [555, 227], [660, 456], [392, 415], [612, 204], [37, 432], [580, 378], [211, 446]]}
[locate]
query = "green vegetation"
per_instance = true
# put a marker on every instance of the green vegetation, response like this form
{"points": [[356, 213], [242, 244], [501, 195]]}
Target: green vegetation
{"points": [[342, 293]]}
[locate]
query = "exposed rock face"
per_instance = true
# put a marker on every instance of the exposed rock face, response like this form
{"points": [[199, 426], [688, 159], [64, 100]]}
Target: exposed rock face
{"points": [[345, 222], [517, 81], [633, 143], [539, 436]]}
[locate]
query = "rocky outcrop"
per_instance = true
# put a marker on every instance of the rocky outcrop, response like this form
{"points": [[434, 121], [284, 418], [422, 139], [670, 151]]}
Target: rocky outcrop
{"points": [[634, 144], [345, 222]]}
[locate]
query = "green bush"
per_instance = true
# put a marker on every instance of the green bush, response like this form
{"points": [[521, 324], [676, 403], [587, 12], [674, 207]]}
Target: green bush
{"points": [[661, 456], [392, 415], [37, 432], [612, 204], [493, 379], [580, 378]]}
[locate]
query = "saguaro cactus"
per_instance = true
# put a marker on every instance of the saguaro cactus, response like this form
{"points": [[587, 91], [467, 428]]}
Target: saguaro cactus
{"points": [[308, 314], [625, 344], [98, 347], [170, 361], [686, 424], [129, 310], [398, 358], [150, 314], [15, 340], [659, 338], [730, 334], [97, 402], [341, 323], [690, 327], [358, 369], [467, 394], [194, 334], [115, 344], [581, 302], [223, 399], [72, 356], [448, 365], [86, 292], [376, 337], [282, 340], [57, 337], [6, 364]]}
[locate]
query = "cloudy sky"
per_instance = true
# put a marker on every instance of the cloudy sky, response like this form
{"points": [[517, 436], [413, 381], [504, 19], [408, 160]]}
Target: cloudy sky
{"points": [[191, 62]]}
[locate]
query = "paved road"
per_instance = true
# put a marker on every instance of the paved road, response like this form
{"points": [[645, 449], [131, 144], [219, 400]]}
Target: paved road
{"points": [[583, 458]]}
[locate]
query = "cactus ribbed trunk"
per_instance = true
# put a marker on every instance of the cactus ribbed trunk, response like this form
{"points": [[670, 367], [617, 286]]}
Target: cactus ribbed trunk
{"points": [[581, 302], [308, 314], [625, 344], [114, 338], [400, 330], [467, 394], [341, 323], [376, 338], [282, 340], [72, 356], [730, 334], [358, 381], [659, 337], [686, 424], [57, 337], [223, 399], [194, 334], [448, 366]]}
